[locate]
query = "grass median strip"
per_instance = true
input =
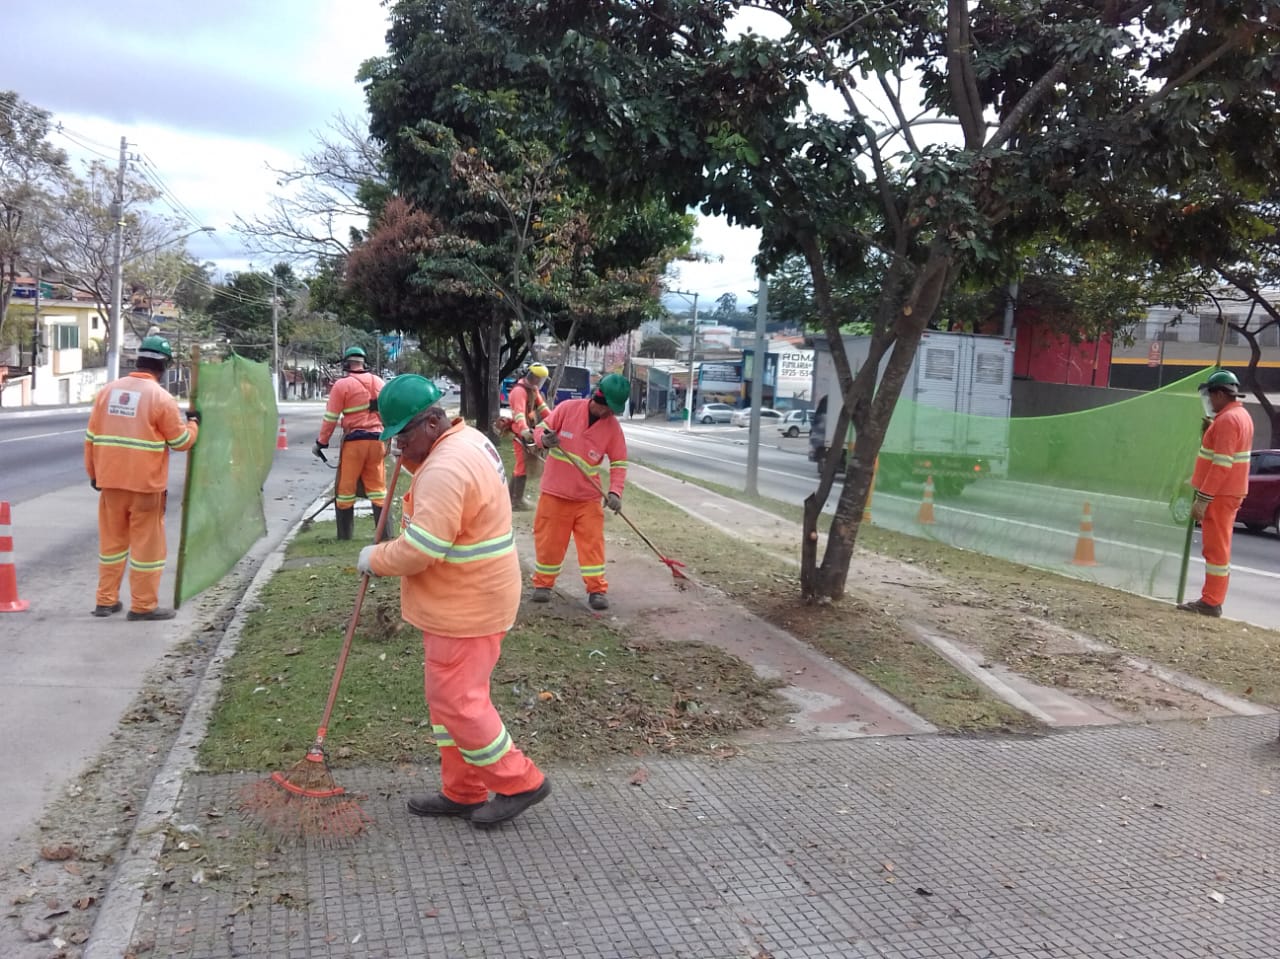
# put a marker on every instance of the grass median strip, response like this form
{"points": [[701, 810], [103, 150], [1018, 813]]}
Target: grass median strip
{"points": [[853, 632], [570, 689]]}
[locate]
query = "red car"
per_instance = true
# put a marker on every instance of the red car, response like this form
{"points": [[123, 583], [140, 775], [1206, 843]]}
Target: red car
{"points": [[1261, 508]]}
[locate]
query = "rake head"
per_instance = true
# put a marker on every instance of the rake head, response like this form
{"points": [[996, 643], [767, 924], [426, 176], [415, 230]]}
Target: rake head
{"points": [[304, 803]]}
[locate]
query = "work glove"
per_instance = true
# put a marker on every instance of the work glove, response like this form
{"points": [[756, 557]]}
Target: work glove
{"points": [[527, 437], [549, 439], [318, 449], [193, 416], [366, 558], [614, 502]]}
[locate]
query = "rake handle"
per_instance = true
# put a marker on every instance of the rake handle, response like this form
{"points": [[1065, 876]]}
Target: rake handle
{"points": [[323, 731]]}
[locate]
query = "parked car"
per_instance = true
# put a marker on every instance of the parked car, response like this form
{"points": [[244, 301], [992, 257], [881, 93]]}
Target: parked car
{"points": [[796, 423], [714, 413], [742, 417], [1261, 507]]}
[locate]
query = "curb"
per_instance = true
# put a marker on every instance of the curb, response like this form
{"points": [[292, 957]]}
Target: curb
{"points": [[122, 903]]}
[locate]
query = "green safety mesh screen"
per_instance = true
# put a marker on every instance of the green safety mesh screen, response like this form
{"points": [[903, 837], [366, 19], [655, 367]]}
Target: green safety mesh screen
{"points": [[1129, 462], [222, 506]]}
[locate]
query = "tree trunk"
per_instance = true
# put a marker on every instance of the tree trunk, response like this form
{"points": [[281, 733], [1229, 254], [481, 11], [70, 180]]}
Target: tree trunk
{"points": [[873, 404]]}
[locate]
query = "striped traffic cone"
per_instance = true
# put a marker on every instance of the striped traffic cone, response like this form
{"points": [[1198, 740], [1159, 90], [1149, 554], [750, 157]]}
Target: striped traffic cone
{"points": [[282, 438], [925, 516], [9, 602], [1084, 542]]}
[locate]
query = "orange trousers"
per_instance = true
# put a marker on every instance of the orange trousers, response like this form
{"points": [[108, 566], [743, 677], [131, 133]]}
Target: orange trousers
{"points": [[1215, 540], [131, 529], [361, 460], [476, 752], [521, 456], [554, 522]]}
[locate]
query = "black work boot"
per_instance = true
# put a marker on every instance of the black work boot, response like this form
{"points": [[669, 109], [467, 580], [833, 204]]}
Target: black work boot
{"points": [[108, 610], [518, 505], [598, 601], [1201, 607], [501, 808], [440, 805], [541, 594], [346, 519], [158, 613]]}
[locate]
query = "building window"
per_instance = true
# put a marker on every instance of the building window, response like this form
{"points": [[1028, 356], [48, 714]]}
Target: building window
{"points": [[66, 337], [95, 322]]}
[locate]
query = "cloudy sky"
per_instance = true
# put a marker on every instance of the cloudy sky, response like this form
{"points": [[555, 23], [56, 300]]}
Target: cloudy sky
{"points": [[212, 94]]}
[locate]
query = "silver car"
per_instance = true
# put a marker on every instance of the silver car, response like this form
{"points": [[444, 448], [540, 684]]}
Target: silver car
{"points": [[714, 413]]}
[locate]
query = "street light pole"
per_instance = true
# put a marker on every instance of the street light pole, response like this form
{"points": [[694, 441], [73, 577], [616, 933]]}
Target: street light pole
{"points": [[275, 337], [117, 267], [693, 343]]}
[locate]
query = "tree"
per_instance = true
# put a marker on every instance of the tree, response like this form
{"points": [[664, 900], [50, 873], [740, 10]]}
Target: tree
{"points": [[521, 246], [79, 241], [240, 310], [659, 347], [339, 183], [1144, 126], [31, 173]]}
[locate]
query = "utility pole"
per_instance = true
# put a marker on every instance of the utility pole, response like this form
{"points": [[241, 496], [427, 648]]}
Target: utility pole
{"points": [[117, 267], [757, 388], [275, 337], [693, 343], [35, 332]]}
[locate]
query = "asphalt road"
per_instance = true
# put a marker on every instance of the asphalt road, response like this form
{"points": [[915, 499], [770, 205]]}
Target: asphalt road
{"points": [[41, 451], [1138, 547]]}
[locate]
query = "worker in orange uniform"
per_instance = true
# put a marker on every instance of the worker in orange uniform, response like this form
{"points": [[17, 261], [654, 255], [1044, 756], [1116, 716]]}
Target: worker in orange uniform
{"points": [[354, 401], [133, 426], [580, 435], [1221, 481], [460, 584], [528, 409]]}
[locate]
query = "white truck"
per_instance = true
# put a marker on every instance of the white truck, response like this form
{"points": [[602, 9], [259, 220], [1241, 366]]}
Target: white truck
{"points": [[952, 419]]}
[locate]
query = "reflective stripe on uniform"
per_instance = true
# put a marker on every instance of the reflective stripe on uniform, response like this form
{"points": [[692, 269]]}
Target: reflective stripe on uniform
{"points": [[330, 417], [490, 754], [619, 464], [144, 567], [125, 442], [488, 549], [433, 546], [443, 738], [1211, 570], [592, 570], [181, 438], [347, 499], [546, 570], [114, 559], [562, 454], [355, 409]]}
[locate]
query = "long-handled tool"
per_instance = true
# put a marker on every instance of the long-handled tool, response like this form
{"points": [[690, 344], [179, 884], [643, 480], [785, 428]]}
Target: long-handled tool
{"points": [[332, 500], [306, 802]]}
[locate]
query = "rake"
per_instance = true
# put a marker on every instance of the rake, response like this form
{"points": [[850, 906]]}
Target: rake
{"points": [[305, 802]]}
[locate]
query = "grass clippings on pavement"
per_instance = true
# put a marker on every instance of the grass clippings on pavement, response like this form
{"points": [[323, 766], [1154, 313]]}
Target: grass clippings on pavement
{"points": [[570, 690]]}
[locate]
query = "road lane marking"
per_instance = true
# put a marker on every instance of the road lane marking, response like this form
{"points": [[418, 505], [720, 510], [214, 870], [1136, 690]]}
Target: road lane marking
{"points": [[41, 436]]}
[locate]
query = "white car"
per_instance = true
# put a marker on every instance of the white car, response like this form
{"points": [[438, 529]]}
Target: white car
{"points": [[796, 423], [742, 417], [714, 413]]}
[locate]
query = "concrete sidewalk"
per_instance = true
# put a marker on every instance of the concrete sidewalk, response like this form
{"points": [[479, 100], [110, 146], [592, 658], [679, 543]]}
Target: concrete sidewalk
{"points": [[1109, 841]]}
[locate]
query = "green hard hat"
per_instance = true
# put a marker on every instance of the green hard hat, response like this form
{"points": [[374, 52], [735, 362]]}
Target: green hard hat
{"points": [[1222, 380], [155, 348], [354, 351], [616, 390], [402, 399]]}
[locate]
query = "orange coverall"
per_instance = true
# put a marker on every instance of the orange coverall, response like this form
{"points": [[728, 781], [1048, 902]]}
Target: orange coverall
{"points": [[570, 501], [523, 418], [133, 426], [461, 587], [363, 456], [1221, 480]]}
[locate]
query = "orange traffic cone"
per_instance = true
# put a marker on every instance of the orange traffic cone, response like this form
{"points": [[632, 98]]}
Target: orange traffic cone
{"points": [[1084, 542], [282, 438], [925, 516], [9, 602]]}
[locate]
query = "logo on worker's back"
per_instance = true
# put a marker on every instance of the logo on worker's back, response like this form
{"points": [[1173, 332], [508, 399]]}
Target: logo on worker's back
{"points": [[123, 403]]}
